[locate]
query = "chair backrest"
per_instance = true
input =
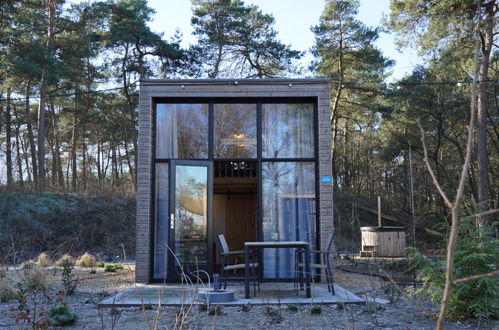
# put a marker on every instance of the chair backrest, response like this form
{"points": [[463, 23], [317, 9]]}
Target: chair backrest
{"points": [[329, 242], [222, 243]]}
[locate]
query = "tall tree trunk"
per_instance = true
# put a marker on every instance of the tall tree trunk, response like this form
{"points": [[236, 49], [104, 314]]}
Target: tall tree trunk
{"points": [[131, 111], [482, 117], [26, 159], [8, 137], [132, 173], [99, 175], [43, 90], [18, 149], [74, 142], [32, 147], [335, 108]]}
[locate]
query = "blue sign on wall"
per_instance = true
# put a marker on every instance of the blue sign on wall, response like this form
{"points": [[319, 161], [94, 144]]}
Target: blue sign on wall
{"points": [[326, 179]]}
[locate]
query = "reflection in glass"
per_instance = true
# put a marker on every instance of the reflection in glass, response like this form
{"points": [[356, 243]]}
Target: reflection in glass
{"points": [[181, 131], [287, 130], [191, 199], [288, 202], [161, 229], [235, 131]]}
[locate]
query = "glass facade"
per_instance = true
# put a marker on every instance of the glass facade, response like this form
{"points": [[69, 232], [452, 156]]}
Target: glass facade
{"points": [[161, 223], [288, 130], [283, 143], [288, 207], [191, 214], [182, 131], [234, 131]]}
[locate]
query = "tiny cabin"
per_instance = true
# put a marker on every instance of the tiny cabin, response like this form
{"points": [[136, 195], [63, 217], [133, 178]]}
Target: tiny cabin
{"points": [[250, 159]]}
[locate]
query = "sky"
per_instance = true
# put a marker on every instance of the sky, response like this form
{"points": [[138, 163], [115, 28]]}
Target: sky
{"points": [[293, 19]]}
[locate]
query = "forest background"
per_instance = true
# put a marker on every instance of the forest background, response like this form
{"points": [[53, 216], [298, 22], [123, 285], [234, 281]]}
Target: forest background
{"points": [[68, 134]]}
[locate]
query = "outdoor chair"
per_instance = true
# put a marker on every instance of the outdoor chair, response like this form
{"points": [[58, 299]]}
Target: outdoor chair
{"points": [[226, 258], [319, 259]]}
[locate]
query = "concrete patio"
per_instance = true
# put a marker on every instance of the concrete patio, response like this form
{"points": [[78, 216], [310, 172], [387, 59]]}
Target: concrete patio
{"points": [[270, 294]]}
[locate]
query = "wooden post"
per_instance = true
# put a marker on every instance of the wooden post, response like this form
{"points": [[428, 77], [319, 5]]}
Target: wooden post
{"points": [[379, 211]]}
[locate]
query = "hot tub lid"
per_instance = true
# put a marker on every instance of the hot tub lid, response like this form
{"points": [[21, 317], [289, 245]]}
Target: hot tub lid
{"points": [[381, 229]]}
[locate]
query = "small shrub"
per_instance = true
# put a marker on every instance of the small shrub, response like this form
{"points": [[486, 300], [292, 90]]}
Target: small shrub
{"points": [[28, 264], [274, 315], [269, 311], [215, 310], [476, 253], [86, 260], [100, 264], [6, 293], [60, 315], [245, 307], [43, 260], [118, 266], [3, 271], [293, 308], [65, 259], [203, 307], [69, 281], [109, 268], [34, 279], [316, 310], [147, 307]]}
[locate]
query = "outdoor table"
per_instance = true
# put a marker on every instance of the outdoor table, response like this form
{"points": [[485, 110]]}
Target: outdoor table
{"points": [[277, 245]]}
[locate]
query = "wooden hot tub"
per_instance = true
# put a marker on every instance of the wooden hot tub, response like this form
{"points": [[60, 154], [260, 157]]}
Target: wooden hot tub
{"points": [[383, 241]]}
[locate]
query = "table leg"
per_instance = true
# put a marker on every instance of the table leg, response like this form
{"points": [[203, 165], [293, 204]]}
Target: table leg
{"points": [[308, 274], [246, 273]]}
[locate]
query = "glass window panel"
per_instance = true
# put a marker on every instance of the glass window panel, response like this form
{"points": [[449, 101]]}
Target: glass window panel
{"points": [[191, 214], [161, 223], [235, 131], [288, 202], [182, 131], [288, 130]]}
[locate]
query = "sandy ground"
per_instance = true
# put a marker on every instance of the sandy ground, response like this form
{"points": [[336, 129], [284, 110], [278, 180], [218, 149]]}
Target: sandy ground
{"points": [[401, 314]]}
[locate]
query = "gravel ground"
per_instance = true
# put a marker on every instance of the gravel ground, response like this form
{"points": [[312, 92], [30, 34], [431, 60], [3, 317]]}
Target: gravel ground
{"points": [[402, 314]]}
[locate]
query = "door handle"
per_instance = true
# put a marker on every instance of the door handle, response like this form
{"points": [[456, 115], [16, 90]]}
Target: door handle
{"points": [[172, 221]]}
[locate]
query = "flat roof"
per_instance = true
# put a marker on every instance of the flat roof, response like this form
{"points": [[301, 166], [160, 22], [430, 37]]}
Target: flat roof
{"points": [[265, 81]]}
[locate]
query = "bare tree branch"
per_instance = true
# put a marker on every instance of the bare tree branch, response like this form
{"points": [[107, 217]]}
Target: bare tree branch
{"points": [[476, 215], [476, 277], [433, 177]]}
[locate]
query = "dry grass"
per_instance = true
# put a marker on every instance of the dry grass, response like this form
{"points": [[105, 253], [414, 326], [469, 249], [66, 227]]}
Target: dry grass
{"points": [[6, 293], [28, 264], [35, 279], [86, 260], [66, 259], [43, 260]]}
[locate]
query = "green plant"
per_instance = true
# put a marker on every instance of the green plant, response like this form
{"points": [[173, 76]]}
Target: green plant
{"points": [[69, 281], [60, 315], [316, 310], [117, 266], [31, 310], [203, 307], [100, 264], [109, 268], [476, 253], [293, 308]]}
